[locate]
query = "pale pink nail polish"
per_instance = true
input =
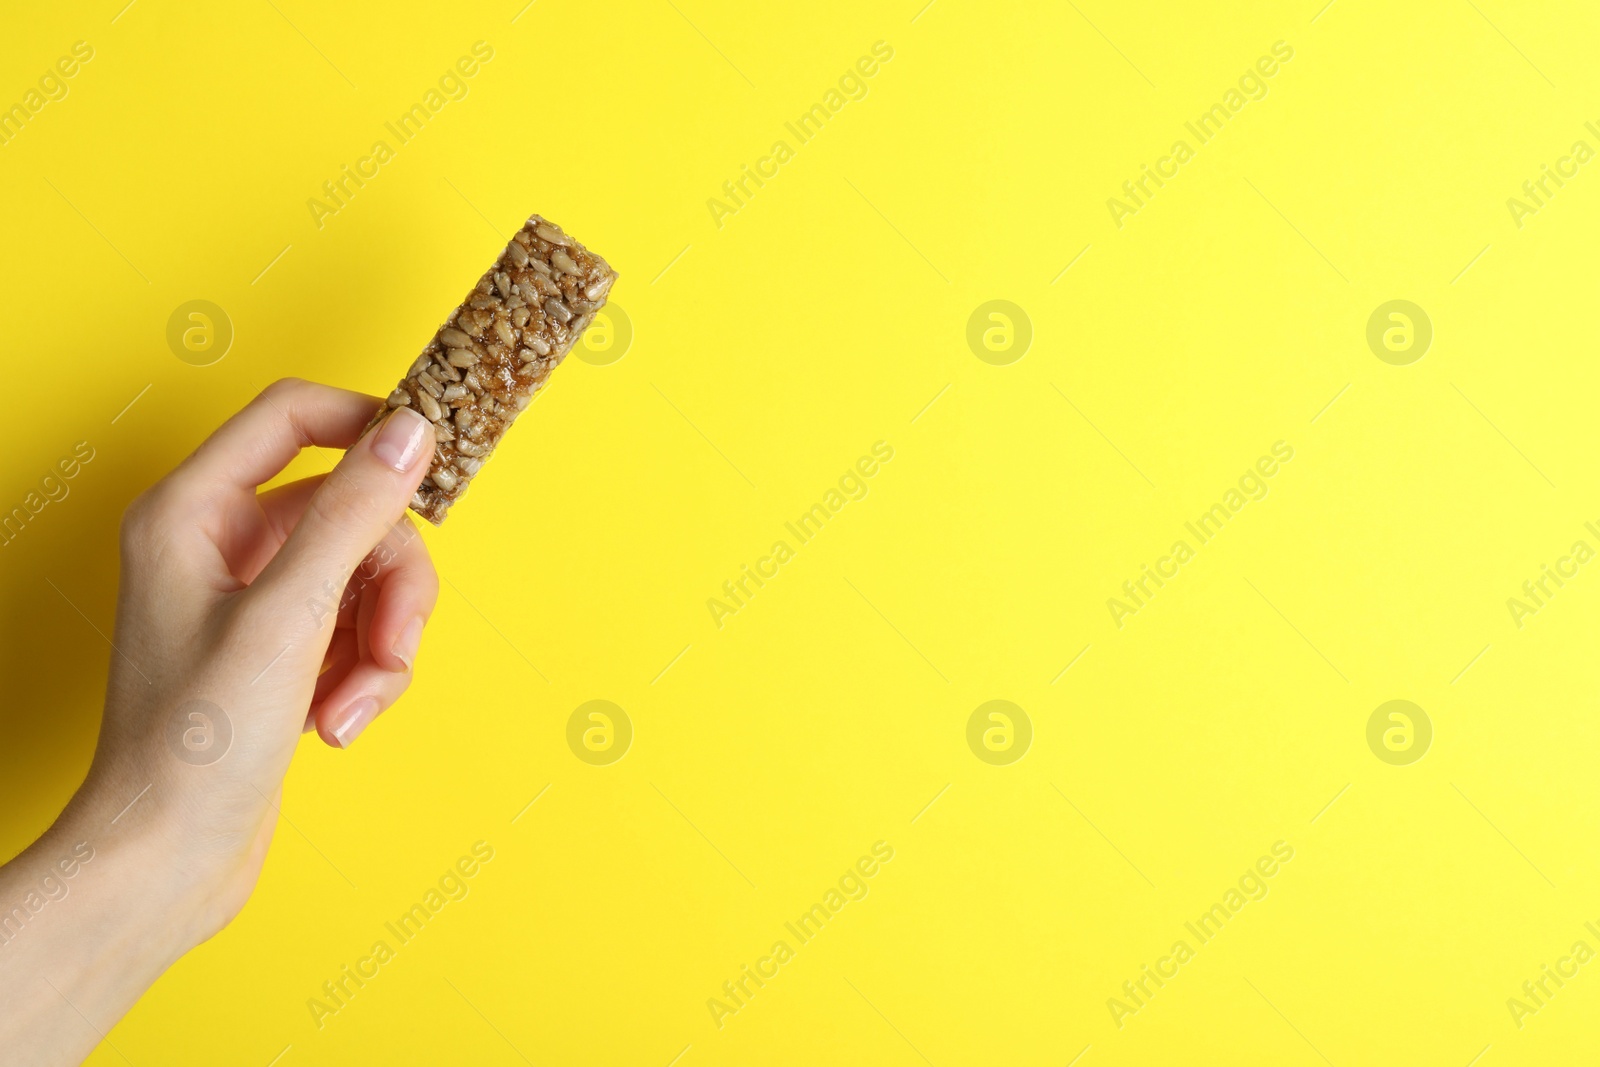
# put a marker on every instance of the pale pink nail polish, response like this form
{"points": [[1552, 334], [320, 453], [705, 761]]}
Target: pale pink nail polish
{"points": [[346, 724], [399, 440], [406, 645]]}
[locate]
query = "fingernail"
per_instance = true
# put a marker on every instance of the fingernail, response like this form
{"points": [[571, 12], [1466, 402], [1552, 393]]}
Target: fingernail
{"points": [[348, 723], [400, 438], [406, 645]]}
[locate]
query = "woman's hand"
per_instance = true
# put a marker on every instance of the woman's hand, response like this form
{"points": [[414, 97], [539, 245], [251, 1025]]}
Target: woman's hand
{"points": [[242, 621]]}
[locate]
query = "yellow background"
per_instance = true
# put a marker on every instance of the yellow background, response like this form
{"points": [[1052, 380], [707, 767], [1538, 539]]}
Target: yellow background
{"points": [[769, 354]]}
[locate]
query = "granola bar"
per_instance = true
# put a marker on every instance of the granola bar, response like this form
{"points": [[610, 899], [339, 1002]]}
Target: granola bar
{"points": [[495, 351]]}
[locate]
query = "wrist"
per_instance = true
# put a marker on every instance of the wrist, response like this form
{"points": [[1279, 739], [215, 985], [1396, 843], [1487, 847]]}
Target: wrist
{"points": [[118, 852], [90, 917]]}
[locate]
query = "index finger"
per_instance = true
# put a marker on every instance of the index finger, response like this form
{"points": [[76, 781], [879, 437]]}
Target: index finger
{"points": [[257, 443]]}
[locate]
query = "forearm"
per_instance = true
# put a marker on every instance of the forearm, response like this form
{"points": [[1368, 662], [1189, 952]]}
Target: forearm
{"points": [[89, 919]]}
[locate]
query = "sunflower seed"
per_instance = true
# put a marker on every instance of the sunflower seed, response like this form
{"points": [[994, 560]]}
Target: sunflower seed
{"points": [[480, 300], [461, 357], [430, 407], [468, 465], [444, 372], [429, 385], [557, 310], [519, 317], [469, 448], [538, 344], [443, 477], [452, 337], [563, 262], [549, 233], [502, 329], [540, 266], [454, 392], [442, 432], [519, 255], [502, 282], [399, 399]]}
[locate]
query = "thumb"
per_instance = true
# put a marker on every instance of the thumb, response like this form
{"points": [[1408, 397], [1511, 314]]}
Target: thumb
{"points": [[352, 511]]}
